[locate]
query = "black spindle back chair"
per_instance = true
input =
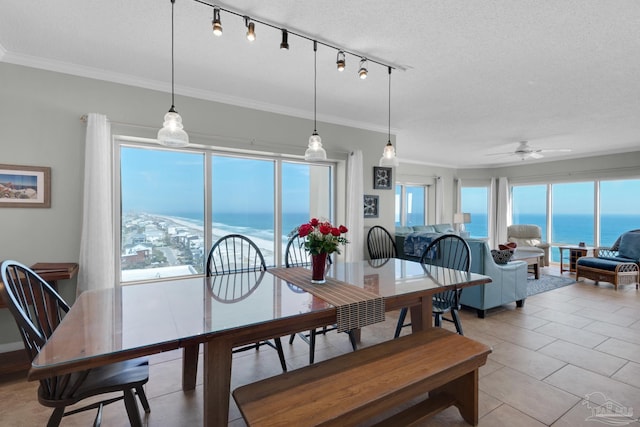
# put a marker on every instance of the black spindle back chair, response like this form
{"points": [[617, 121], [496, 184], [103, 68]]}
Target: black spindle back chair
{"points": [[448, 251], [380, 243], [38, 310]]}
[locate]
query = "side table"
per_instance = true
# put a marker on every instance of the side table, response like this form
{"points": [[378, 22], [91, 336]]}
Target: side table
{"points": [[52, 272], [575, 252]]}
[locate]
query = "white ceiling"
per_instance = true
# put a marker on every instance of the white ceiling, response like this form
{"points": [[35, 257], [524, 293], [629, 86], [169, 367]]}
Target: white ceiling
{"points": [[478, 76]]}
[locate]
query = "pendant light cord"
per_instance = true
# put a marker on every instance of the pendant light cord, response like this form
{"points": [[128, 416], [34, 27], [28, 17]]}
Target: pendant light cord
{"points": [[389, 105], [172, 67], [315, 82]]}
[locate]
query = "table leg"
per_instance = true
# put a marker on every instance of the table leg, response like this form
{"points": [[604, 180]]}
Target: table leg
{"points": [[217, 382], [536, 270], [421, 315], [189, 366]]}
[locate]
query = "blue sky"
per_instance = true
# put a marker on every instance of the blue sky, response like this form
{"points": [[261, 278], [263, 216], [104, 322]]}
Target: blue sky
{"points": [[173, 182]]}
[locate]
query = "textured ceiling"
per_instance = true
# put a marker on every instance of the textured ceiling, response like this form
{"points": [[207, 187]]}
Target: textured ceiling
{"points": [[477, 76]]}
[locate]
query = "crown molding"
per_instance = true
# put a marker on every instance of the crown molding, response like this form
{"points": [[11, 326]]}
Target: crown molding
{"points": [[126, 79]]}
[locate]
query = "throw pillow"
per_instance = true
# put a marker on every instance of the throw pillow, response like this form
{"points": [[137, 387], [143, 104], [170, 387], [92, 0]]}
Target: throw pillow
{"points": [[508, 246], [501, 256]]}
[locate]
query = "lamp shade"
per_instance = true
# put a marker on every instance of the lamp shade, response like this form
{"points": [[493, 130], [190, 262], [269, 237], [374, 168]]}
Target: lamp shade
{"points": [[461, 218]]}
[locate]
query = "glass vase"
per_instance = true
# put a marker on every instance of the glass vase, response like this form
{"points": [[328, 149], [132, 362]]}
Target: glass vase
{"points": [[318, 267]]}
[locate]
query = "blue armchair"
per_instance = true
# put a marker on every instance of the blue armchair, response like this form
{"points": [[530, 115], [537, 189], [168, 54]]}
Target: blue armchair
{"points": [[509, 281]]}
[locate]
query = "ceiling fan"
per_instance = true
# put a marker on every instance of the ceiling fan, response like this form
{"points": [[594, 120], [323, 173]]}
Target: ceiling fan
{"points": [[524, 151]]}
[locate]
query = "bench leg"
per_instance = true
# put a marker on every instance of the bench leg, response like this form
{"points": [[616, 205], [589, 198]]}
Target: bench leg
{"points": [[465, 392]]}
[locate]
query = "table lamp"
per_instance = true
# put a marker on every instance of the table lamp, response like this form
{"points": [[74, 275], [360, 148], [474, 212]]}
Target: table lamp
{"points": [[459, 220]]}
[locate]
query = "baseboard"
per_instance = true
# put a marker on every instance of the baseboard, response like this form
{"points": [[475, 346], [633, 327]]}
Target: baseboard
{"points": [[12, 362]]}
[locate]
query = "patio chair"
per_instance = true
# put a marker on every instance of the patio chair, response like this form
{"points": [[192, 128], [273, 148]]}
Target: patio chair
{"points": [[449, 251], [296, 256], [38, 310], [380, 243]]}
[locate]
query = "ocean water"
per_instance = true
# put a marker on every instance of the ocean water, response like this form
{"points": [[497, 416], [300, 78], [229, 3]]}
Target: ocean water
{"points": [[258, 225]]}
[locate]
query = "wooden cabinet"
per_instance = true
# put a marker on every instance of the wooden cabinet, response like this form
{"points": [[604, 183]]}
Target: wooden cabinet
{"points": [[574, 252]]}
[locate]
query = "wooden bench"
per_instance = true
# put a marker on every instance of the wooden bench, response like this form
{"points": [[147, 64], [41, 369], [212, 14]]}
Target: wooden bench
{"points": [[373, 385]]}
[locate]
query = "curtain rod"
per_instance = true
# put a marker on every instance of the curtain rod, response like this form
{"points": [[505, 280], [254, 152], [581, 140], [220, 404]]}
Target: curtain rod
{"points": [[253, 142]]}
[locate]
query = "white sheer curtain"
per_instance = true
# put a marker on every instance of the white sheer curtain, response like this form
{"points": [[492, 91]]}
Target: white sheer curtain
{"points": [[355, 211], [439, 201], [503, 215], [97, 256], [492, 214]]}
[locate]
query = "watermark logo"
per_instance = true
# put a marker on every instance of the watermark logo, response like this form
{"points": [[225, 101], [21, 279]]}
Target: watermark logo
{"points": [[607, 411]]}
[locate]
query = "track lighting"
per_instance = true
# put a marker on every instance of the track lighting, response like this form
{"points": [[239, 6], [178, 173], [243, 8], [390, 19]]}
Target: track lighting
{"points": [[217, 25], [285, 43], [315, 150], [341, 61], [362, 72], [172, 133], [251, 29]]}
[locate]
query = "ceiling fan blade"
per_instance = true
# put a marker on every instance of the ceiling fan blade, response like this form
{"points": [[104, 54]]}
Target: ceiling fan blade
{"points": [[535, 155], [556, 150]]}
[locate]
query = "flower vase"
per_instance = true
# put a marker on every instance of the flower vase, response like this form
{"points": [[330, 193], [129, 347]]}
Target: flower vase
{"points": [[318, 267]]}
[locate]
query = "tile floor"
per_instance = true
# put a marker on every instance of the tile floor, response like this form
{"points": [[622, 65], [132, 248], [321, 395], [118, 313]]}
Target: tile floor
{"points": [[553, 362]]}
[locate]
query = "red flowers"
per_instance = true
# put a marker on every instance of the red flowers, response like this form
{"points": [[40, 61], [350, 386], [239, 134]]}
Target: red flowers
{"points": [[322, 237]]}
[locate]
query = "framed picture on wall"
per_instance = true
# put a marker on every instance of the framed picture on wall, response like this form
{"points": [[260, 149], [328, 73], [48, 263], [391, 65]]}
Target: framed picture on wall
{"points": [[382, 179], [371, 206], [25, 186]]}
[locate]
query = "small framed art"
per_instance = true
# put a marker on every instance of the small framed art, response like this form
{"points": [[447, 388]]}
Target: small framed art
{"points": [[382, 178], [371, 206], [25, 186]]}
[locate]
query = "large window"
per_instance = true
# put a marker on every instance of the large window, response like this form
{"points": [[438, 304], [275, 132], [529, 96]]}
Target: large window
{"points": [[475, 200], [619, 209], [529, 206], [165, 200], [572, 214], [411, 205], [574, 208]]}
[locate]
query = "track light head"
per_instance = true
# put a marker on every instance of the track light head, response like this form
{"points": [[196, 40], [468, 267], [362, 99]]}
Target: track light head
{"points": [[217, 25], [285, 43], [362, 72], [251, 29], [341, 61]]}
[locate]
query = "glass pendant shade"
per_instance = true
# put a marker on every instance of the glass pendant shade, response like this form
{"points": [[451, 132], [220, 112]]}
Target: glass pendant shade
{"points": [[389, 158], [315, 150], [172, 133]]}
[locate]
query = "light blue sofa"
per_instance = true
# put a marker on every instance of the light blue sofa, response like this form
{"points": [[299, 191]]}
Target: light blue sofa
{"points": [[509, 281]]}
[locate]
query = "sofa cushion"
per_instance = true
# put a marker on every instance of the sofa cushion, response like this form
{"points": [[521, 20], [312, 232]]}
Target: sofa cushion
{"points": [[525, 242], [525, 231], [443, 228], [403, 231], [501, 256], [423, 229], [617, 259], [599, 263], [630, 246]]}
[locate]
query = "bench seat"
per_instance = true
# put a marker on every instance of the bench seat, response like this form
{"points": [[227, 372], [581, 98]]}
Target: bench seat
{"points": [[373, 384], [613, 270]]}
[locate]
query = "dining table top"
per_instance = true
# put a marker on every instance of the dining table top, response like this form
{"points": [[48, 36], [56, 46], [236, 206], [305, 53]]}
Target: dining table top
{"points": [[146, 318]]}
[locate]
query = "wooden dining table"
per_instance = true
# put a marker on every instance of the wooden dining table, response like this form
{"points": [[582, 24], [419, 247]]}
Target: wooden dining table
{"points": [[106, 326]]}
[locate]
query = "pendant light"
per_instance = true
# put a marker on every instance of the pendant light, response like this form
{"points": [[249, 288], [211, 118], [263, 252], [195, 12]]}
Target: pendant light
{"points": [[315, 150], [389, 158], [172, 133]]}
